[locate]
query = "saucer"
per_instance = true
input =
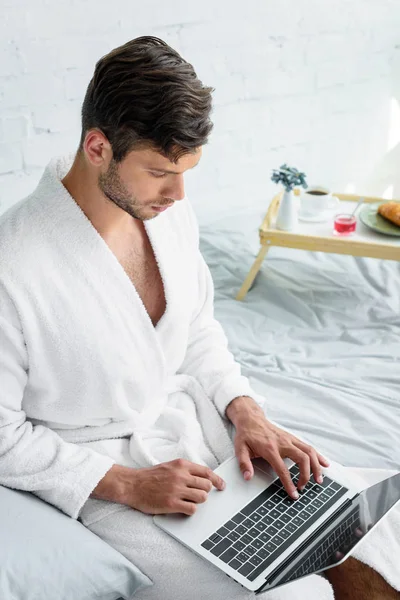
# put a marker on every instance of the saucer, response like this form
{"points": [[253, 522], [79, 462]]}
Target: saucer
{"points": [[318, 218]]}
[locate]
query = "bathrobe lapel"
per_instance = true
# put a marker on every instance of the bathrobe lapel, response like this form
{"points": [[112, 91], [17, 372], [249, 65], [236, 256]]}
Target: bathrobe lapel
{"points": [[152, 353]]}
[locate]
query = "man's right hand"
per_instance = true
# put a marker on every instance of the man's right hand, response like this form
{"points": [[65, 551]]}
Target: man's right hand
{"points": [[172, 487]]}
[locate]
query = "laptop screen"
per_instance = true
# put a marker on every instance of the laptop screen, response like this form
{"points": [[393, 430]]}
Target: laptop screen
{"points": [[336, 538]]}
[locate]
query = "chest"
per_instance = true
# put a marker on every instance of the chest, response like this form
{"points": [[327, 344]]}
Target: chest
{"points": [[136, 256]]}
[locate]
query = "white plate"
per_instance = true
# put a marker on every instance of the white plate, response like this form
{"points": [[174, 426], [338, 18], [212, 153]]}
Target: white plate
{"points": [[325, 216]]}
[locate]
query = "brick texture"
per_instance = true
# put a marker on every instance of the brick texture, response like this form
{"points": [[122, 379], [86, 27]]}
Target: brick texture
{"points": [[303, 81]]}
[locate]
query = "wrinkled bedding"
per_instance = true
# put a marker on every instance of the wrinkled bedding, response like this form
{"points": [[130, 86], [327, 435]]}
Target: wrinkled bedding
{"points": [[318, 335]]}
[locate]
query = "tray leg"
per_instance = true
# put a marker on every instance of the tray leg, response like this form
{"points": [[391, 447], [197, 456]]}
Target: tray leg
{"points": [[253, 272]]}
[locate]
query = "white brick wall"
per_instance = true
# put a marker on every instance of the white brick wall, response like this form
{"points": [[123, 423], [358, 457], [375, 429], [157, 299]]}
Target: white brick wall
{"points": [[309, 82]]}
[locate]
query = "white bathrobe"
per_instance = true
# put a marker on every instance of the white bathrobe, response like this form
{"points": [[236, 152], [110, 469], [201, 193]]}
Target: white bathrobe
{"points": [[86, 380]]}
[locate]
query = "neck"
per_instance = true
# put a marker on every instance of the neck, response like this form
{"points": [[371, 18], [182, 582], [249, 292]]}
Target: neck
{"points": [[81, 183]]}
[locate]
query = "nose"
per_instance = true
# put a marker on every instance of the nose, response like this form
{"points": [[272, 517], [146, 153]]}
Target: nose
{"points": [[176, 189]]}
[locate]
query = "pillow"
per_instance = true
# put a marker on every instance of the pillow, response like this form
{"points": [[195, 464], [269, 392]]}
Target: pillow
{"points": [[44, 555]]}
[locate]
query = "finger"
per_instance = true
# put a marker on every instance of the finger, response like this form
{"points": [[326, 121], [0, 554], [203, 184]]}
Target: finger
{"points": [[315, 465], [187, 508], [323, 461], [303, 460], [192, 495], [199, 483], [207, 473], [245, 464], [276, 462]]}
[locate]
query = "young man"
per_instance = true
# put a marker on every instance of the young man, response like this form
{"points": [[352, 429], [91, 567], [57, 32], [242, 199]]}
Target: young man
{"points": [[117, 384]]}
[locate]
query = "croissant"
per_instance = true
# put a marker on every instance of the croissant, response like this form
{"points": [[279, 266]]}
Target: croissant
{"points": [[391, 212]]}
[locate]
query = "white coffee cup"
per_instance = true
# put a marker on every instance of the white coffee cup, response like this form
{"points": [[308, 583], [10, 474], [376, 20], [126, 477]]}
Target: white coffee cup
{"points": [[317, 201]]}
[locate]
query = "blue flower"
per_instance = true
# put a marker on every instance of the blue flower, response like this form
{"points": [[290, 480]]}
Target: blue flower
{"points": [[290, 177]]}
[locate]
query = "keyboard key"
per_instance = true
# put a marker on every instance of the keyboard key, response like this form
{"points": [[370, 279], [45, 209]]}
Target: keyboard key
{"points": [[275, 499], [269, 505], [228, 555], [270, 547], [284, 533], [230, 525], [246, 569], [311, 509], [297, 521], [271, 530], [239, 545], [221, 547], [255, 517], [250, 550], [317, 503], [223, 531], [246, 539], [287, 502], [267, 520], [255, 560], [207, 545], [277, 540], [253, 532], [291, 528], [233, 536], [335, 486], [285, 518], [263, 553], [280, 507], [274, 514], [257, 543], [326, 482], [311, 494], [292, 512], [235, 564], [261, 526], [329, 492], [240, 529], [262, 510], [305, 500], [248, 523], [215, 538], [279, 524], [304, 515], [317, 488], [242, 556], [238, 518], [265, 537]]}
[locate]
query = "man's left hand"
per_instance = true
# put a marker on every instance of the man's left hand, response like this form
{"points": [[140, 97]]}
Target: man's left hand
{"points": [[257, 437]]}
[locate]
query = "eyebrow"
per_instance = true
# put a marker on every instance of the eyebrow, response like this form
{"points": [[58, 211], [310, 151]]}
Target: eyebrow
{"points": [[168, 171]]}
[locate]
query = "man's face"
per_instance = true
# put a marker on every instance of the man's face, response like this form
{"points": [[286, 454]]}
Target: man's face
{"points": [[145, 180]]}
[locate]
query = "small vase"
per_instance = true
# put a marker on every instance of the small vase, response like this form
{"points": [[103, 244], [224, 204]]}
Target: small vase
{"points": [[287, 214]]}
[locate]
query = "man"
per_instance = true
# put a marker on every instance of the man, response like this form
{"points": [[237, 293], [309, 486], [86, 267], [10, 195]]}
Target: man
{"points": [[117, 382]]}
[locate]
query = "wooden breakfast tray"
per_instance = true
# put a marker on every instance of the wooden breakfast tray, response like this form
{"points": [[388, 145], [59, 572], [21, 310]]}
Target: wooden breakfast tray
{"points": [[319, 237]]}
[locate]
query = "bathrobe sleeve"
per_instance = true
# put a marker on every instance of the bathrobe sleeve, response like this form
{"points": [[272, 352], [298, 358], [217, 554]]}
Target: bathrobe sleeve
{"points": [[208, 358], [35, 458]]}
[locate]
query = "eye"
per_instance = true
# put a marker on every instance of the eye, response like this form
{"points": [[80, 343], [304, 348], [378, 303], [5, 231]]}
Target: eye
{"points": [[157, 174]]}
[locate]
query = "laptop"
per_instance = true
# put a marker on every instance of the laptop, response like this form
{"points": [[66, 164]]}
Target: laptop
{"points": [[260, 537]]}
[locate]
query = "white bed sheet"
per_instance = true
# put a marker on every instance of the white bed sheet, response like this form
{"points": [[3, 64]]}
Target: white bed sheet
{"points": [[318, 335]]}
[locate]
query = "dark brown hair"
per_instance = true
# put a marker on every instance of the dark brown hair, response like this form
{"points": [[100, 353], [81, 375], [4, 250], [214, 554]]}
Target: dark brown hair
{"points": [[144, 94]]}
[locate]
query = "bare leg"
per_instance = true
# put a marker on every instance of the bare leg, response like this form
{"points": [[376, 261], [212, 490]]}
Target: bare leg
{"points": [[353, 580]]}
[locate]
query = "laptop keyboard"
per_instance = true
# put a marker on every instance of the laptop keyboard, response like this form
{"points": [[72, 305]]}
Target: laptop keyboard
{"points": [[255, 536], [323, 554]]}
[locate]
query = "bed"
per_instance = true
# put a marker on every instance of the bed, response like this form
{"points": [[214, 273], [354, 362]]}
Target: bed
{"points": [[318, 335]]}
